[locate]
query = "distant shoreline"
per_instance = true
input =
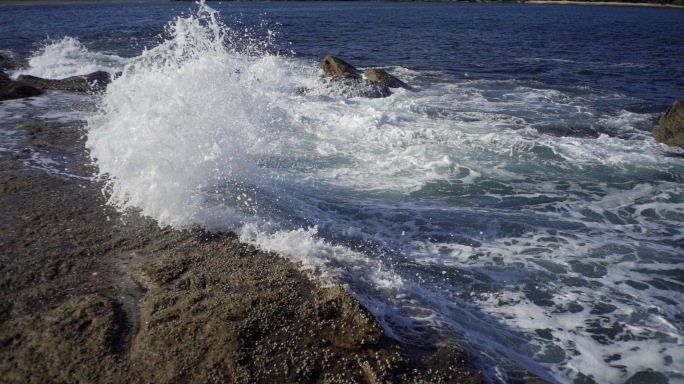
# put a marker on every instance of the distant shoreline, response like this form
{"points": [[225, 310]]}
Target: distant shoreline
{"points": [[561, 2], [618, 3]]}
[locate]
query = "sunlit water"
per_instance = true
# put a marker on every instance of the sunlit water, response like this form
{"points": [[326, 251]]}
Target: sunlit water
{"points": [[513, 201]]}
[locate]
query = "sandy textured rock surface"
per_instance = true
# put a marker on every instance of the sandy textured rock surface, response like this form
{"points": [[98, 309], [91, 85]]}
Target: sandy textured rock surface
{"points": [[91, 295]]}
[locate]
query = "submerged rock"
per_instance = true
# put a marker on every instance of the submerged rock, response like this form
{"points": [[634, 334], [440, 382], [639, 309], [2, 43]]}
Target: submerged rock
{"points": [[670, 129], [382, 77]]}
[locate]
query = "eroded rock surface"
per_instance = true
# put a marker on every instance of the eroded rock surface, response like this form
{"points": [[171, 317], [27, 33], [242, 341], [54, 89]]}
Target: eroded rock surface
{"points": [[670, 129], [205, 308]]}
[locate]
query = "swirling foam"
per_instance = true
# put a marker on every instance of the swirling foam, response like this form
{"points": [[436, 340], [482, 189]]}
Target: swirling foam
{"points": [[526, 219]]}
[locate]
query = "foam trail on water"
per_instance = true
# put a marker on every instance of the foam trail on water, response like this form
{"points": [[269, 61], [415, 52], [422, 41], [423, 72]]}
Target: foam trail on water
{"points": [[523, 218]]}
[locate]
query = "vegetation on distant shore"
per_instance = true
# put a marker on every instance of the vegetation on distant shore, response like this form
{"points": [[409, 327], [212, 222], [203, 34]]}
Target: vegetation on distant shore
{"points": [[626, 2], [654, 2]]}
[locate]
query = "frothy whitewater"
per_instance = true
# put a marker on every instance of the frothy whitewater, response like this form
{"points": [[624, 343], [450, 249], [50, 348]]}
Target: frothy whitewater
{"points": [[458, 210]]}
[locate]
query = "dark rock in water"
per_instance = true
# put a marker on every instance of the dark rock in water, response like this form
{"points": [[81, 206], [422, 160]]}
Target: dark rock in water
{"points": [[649, 376], [381, 76], [95, 81], [302, 90], [343, 79], [352, 87], [8, 63], [28, 86], [334, 66], [670, 129], [10, 89]]}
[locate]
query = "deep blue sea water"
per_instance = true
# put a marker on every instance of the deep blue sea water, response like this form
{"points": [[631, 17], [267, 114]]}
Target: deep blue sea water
{"points": [[512, 201]]}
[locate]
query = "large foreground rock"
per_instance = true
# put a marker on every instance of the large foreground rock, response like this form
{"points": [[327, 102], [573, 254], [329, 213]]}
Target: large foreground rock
{"points": [[670, 129], [90, 295]]}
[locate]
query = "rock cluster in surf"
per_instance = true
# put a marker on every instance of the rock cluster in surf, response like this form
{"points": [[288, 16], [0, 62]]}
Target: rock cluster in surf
{"points": [[343, 78], [670, 129]]}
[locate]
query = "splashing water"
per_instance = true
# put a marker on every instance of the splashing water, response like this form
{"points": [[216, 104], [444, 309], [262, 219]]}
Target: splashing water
{"points": [[68, 57], [451, 211], [222, 131]]}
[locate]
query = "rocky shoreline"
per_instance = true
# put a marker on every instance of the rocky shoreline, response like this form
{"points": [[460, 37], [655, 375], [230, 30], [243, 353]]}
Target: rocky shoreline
{"points": [[92, 295]]}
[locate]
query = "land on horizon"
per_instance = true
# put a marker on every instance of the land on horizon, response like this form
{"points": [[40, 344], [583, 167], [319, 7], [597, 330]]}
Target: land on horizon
{"points": [[669, 3], [596, 2]]}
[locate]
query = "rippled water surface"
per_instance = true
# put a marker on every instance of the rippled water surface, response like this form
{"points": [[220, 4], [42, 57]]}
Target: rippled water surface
{"points": [[513, 200]]}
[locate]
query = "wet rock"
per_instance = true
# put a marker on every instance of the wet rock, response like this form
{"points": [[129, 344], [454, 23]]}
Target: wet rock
{"points": [[78, 341], [9, 63], [352, 87], [343, 79], [95, 81], [334, 66], [211, 309], [10, 89], [29, 86], [670, 129], [382, 77]]}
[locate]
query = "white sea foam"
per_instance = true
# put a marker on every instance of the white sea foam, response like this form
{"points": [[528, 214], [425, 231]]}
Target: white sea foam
{"points": [[68, 57], [448, 208]]}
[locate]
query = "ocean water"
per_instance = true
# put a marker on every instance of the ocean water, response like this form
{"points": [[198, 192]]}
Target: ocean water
{"points": [[512, 201]]}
